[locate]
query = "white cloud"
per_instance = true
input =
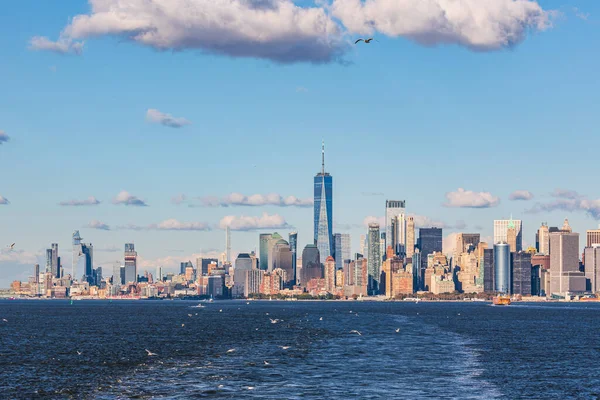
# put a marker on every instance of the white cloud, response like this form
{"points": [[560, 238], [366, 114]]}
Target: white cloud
{"points": [[580, 14], [4, 201], [568, 201], [566, 194], [175, 225], [158, 117], [277, 30], [4, 137], [129, 200], [20, 257], [449, 243], [480, 25], [374, 220], [95, 224], [255, 200], [521, 195], [422, 221], [63, 45], [245, 223], [90, 201], [468, 199]]}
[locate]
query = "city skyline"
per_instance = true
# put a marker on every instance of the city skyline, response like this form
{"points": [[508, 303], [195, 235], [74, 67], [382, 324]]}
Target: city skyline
{"points": [[168, 165]]}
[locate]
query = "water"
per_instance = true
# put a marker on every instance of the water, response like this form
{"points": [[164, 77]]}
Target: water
{"points": [[443, 350]]}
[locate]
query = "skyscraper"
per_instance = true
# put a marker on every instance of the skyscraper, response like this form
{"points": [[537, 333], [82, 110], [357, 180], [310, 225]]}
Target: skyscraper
{"points": [[282, 259], [565, 276], [243, 263], [501, 227], [85, 262], [488, 270], [76, 253], [323, 210], [202, 265], [55, 265], [393, 208], [343, 249], [592, 237], [294, 249], [130, 263], [464, 242], [227, 245], [410, 236], [430, 241], [263, 252], [311, 264], [502, 278], [398, 232], [374, 258], [48, 260], [521, 273], [592, 267], [542, 239], [329, 271]]}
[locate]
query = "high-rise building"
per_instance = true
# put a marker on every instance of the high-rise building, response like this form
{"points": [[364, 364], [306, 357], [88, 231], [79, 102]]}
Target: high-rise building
{"points": [[410, 236], [565, 276], [55, 264], [363, 244], [202, 265], [592, 267], [311, 264], [542, 239], [263, 252], [294, 249], [130, 263], [592, 237], [76, 253], [393, 208], [343, 249], [329, 271], [465, 242], [374, 258], [49, 261], [85, 262], [159, 274], [183, 266], [501, 232], [488, 270], [521, 273], [227, 245], [323, 210], [276, 238], [243, 264], [282, 259], [430, 241], [502, 269]]}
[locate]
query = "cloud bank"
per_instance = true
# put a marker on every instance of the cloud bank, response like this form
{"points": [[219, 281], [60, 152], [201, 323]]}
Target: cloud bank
{"points": [[158, 117], [90, 201], [170, 225], [129, 200], [521, 195], [244, 223], [284, 32], [467, 199], [255, 200], [95, 224], [568, 201]]}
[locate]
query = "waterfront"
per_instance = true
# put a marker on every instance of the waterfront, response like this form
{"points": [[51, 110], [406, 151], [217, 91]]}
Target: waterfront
{"points": [[443, 350]]}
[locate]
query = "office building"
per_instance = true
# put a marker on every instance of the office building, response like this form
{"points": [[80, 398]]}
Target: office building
{"points": [[243, 264], [203, 264], [363, 244], [592, 267], [293, 239], [501, 228], [253, 281], [323, 210], [398, 234], [430, 241], [542, 239], [263, 252], [393, 208], [130, 263], [282, 259], [343, 250], [183, 267], [592, 237], [85, 262], [465, 242], [565, 276], [521, 273], [374, 258], [311, 264], [410, 236], [330, 272], [502, 268]]}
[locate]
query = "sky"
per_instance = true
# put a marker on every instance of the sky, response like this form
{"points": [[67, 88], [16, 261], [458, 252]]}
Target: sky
{"points": [[161, 122]]}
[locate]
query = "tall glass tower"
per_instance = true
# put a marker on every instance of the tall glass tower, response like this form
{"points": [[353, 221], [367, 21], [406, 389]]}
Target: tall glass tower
{"points": [[323, 211], [294, 250]]}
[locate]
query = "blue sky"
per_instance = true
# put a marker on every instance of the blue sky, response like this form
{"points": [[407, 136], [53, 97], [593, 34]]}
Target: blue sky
{"points": [[399, 118]]}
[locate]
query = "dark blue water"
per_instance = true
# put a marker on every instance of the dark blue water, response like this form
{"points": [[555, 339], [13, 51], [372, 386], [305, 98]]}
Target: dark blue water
{"points": [[443, 350]]}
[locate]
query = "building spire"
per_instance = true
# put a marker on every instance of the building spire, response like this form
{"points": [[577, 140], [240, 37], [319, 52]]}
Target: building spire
{"points": [[323, 157]]}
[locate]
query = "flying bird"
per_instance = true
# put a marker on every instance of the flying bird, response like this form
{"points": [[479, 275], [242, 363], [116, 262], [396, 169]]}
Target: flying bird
{"points": [[4, 320], [398, 330], [355, 331], [230, 351], [284, 347], [79, 353], [321, 319], [266, 362], [274, 321], [12, 246], [150, 354], [367, 41]]}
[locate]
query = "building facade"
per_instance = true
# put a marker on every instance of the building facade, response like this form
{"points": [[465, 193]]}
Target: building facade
{"points": [[502, 268], [501, 232], [323, 210], [394, 208], [374, 258]]}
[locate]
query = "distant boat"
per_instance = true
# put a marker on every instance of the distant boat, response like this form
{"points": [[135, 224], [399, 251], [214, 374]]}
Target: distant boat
{"points": [[415, 299], [198, 306], [501, 301]]}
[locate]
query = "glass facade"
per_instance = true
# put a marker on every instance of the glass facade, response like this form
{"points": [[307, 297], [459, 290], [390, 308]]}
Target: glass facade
{"points": [[430, 241], [130, 263], [502, 270], [294, 248], [263, 251], [311, 264], [374, 258], [323, 214], [521, 274]]}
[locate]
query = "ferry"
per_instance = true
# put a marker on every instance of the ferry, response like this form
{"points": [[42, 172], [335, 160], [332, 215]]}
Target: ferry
{"points": [[501, 301], [413, 299]]}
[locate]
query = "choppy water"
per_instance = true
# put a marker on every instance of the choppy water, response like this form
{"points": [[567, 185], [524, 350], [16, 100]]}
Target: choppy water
{"points": [[443, 350]]}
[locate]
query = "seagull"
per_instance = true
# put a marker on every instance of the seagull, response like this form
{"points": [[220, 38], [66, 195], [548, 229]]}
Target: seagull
{"points": [[321, 319], [355, 331], [274, 321], [367, 41], [284, 347], [182, 325], [221, 310], [12, 246], [266, 362], [397, 330], [4, 320], [250, 387], [230, 351], [189, 315], [79, 353], [247, 302], [150, 354]]}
